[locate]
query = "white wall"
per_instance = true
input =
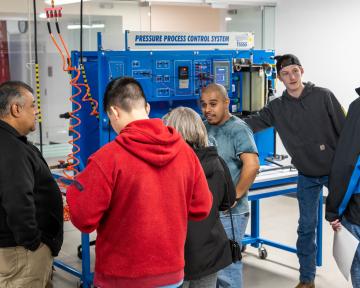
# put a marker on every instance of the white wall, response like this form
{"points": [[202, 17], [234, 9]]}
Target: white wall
{"points": [[186, 18], [248, 19], [324, 34]]}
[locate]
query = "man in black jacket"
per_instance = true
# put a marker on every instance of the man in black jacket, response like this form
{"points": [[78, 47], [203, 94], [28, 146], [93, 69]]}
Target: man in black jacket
{"points": [[343, 201], [309, 120], [31, 211]]}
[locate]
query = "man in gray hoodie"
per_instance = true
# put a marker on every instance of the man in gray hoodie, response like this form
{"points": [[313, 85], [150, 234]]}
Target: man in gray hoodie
{"points": [[309, 120]]}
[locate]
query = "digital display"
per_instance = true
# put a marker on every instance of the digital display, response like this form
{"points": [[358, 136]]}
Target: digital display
{"points": [[222, 73]]}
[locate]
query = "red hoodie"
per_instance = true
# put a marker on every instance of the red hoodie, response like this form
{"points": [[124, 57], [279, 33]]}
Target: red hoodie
{"points": [[138, 192]]}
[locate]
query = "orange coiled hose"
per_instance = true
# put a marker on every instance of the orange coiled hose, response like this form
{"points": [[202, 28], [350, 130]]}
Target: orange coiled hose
{"points": [[87, 97], [71, 170], [72, 161]]}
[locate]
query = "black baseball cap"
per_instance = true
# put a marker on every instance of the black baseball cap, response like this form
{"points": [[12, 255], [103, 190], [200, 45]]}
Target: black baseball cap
{"points": [[286, 60], [358, 91]]}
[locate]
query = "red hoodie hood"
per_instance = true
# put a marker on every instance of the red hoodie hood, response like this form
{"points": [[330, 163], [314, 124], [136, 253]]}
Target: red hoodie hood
{"points": [[151, 141]]}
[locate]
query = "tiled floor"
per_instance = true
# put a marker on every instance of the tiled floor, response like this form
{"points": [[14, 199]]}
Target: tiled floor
{"points": [[279, 270]]}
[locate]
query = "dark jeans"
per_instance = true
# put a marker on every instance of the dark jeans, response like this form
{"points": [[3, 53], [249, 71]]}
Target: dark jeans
{"points": [[308, 193]]}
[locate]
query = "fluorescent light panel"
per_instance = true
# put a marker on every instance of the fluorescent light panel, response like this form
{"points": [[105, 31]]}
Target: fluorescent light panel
{"points": [[97, 25], [93, 26]]}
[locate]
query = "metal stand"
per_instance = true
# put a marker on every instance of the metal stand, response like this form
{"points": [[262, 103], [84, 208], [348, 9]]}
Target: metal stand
{"points": [[271, 189]]}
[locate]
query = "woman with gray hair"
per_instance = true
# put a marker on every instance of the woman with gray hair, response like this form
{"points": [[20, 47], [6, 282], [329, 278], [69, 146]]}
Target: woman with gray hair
{"points": [[207, 247]]}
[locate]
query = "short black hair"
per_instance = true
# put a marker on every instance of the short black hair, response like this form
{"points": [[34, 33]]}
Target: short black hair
{"points": [[124, 92], [9, 91], [286, 60]]}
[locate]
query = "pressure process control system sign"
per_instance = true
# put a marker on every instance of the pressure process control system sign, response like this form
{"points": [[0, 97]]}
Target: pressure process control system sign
{"points": [[137, 40]]}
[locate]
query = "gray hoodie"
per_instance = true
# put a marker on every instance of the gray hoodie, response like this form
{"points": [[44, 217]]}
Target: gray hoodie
{"points": [[309, 127]]}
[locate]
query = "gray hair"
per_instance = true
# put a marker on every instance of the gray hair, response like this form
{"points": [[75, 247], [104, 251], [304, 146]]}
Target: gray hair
{"points": [[10, 93], [189, 124], [217, 88]]}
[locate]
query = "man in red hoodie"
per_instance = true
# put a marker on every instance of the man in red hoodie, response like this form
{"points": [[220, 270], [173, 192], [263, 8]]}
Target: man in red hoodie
{"points": [[138, 192]]}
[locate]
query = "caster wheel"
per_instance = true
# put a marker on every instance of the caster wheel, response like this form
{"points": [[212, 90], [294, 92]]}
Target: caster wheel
{"points": [[79, 252], [243, 248], [79, 249], [262, 253]]}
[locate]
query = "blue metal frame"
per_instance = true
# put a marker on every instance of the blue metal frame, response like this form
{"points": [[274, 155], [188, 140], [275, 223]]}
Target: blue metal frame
{"points": [[85, 275], [254, 238]]}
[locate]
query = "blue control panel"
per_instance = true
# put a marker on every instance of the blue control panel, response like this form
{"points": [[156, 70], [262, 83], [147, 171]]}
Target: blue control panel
{"points": [[169, 79]]}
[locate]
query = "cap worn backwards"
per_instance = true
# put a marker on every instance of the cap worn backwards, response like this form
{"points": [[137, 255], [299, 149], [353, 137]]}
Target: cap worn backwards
{"points": [[286, 60]]}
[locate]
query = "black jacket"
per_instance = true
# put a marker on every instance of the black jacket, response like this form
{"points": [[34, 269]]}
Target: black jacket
{"points": [[309, 127], [341, 200], [207, 247], [31, 209]]}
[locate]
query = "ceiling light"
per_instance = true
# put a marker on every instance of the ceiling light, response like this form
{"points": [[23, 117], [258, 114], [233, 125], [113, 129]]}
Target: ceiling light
{"points": [[77, 26], [228, 18], [98, 26], [93, 26]]}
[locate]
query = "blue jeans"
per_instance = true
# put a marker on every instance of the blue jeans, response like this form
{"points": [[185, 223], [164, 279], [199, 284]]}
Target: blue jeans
{"points": [[355, 267], [308, 193], [231, 276]]}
